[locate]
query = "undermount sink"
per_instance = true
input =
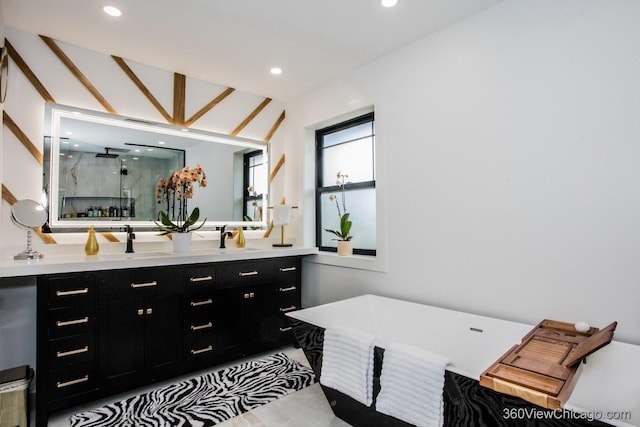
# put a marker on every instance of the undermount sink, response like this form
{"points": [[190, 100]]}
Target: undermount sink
{"points": [[156, 254], [135, 255]]}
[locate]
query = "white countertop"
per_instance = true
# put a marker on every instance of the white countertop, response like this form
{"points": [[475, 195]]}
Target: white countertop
{"points": [[74, 262]]}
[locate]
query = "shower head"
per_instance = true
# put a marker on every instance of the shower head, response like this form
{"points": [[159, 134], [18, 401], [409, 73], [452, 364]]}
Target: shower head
{"points": [[109, 155]]}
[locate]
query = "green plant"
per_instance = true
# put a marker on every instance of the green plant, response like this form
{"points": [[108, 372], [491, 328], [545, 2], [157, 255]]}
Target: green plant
{"points": [[175, 191], [345, 224]]}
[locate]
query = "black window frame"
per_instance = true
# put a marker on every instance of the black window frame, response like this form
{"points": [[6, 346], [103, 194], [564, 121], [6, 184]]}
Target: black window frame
{"points": [[324, 190], [246, 197]]}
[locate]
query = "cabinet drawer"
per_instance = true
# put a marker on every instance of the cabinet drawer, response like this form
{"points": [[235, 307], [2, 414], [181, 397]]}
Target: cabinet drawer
{"points": [[202, 343], [200, 278], [200, 319], [66, 322], [288, 302], [73, 350], [287, 269], [246, 272], [71, 381], [140, 282], [71, 290]]}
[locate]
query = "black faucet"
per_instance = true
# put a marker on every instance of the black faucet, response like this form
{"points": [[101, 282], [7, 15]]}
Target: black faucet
{"points": [[130, 236], [223, 235]]}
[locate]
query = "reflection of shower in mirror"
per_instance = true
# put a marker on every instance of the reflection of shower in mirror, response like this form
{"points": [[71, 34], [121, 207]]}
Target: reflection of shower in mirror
{"points": [[28, 214]]}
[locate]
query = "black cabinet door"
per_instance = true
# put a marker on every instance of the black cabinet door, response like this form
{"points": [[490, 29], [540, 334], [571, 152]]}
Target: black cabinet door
{"points": [[249, 318], [231, 320], [163, 335], [260, 311], [121, 349]]}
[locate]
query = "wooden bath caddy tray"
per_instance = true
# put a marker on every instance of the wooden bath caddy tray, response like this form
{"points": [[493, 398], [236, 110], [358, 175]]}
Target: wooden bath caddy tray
{"points": [[544, 367]]}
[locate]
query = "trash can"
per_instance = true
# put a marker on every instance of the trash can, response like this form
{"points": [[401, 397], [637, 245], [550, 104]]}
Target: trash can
{"points": [[14, 396]]}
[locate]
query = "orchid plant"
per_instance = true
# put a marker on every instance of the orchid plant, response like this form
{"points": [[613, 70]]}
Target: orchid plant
{"points": [[176, 191], [345, 224]]}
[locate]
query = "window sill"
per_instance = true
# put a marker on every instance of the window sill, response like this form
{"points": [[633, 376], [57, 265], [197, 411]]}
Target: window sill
{"points": [[360, 262]]}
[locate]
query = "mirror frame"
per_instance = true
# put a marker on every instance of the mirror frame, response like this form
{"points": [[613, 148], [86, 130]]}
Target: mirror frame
{"points": [[58, 112]]}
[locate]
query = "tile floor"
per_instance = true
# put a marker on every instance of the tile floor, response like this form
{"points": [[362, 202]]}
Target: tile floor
{"points": [[306, 407]]}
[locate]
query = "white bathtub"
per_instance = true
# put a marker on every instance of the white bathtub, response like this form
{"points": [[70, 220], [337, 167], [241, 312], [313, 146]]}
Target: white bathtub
{"points": [[610, 380]]}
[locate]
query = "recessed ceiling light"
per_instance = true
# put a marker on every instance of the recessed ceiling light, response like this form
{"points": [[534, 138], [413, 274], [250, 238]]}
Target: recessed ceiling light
{"points": [[161, 142], [276, 71], [112, 11], [389, 3]]}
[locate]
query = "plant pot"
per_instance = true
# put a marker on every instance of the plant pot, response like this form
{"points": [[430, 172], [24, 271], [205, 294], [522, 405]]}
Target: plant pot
{"points": [[181, 242], [345, 247]]}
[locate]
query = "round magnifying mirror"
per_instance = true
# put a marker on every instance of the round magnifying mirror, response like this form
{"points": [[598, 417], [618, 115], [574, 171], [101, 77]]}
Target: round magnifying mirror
{"points": [[28, 214]]}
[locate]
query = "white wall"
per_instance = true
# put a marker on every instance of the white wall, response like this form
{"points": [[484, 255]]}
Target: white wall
{"points": [[510, 176]]}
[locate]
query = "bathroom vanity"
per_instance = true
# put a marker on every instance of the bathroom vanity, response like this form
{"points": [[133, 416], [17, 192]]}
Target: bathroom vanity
{"points": [[108, 325]]}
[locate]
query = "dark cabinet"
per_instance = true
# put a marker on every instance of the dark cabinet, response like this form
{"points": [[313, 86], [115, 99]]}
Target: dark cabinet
{"points": [[253, 312], [140, 325], [202, 304], [66, 337], [104, 332]]}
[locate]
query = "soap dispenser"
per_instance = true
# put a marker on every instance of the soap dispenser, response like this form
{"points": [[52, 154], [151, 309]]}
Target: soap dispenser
{"points": [[91, 247], [240, 240]]}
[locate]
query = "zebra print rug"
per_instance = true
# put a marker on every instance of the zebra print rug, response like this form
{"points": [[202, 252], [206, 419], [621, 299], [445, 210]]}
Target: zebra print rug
{"points": [[206, 400]]}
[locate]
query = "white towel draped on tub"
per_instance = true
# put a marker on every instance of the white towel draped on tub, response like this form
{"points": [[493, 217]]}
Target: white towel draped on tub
{"points": [[412, 383], [347, 363]]}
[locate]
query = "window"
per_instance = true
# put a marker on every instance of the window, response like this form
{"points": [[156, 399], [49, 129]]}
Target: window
{"points": [[347, 148], [255, 185]]}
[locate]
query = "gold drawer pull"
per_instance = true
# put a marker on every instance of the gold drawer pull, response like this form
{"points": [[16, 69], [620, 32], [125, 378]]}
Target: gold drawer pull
{"points": [[201, 279], [72, 352], [248, 273], [285, 309], [73, 382], [199, 303], [289, 289], [202, 350], [286, 329], [61, 323], [284, 269], [197, 328], [73, 292], [144, 285]]}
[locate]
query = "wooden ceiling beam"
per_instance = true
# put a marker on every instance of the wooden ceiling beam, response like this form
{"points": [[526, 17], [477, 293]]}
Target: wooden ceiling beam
{"points": [[77, 73], [250, 117], [209, 106], [145, 91]]}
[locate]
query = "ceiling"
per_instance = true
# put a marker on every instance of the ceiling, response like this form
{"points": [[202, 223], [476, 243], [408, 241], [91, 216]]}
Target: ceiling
{"points": [[235, 42]]}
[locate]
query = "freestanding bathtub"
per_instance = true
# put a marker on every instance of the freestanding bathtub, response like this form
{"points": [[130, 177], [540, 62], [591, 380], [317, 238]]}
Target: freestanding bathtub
{"points": [[607, 390]]}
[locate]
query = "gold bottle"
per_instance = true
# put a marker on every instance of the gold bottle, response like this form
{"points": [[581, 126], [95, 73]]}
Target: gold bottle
{"points": [[91, 247], [240, 240]]}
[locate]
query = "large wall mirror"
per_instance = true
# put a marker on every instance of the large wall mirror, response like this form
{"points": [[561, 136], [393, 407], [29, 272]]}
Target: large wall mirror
{"points": [[103, 170]]}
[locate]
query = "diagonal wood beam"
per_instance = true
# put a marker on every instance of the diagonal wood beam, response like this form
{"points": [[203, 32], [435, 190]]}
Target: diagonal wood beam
{"points": [[274, 128], [77, 73], [24, 139], [276, 168], [11, 199], [110, 237], [8, 195], [179, 97], [145, 91], [250, 117], [22, 65], [209, 106]]}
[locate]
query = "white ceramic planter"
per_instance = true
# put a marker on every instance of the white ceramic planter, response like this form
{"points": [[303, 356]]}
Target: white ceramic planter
{"points": [[181, 242]]}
